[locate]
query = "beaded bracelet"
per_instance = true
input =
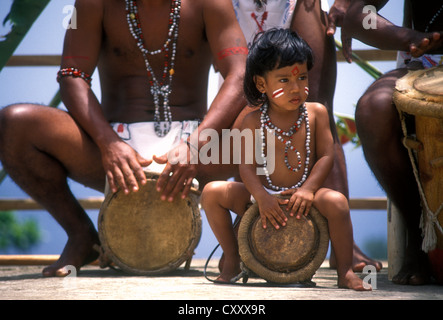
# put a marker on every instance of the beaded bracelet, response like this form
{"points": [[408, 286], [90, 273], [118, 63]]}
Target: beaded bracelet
{"points": [[74, 72]]}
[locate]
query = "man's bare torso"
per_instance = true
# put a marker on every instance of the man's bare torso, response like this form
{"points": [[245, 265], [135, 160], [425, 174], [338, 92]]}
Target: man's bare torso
{"points": [[124, 81]]}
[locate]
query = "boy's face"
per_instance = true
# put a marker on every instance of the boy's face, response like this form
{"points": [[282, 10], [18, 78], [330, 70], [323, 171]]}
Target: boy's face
{"points": [[286, 87]]}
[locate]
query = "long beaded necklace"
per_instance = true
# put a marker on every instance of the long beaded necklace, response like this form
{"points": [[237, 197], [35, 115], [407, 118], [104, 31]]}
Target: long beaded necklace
{"points": [[279, 133], [433, 18], [158, 88]]}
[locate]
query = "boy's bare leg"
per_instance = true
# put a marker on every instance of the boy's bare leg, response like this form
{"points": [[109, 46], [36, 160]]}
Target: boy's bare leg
{"points": [[39, 148], [217, 199], [310, 22], [334, 206]]}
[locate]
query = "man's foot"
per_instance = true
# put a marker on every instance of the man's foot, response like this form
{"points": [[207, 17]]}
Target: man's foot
{"points": [[351, 281], [359, 261], [77, 252], [415, 271]]}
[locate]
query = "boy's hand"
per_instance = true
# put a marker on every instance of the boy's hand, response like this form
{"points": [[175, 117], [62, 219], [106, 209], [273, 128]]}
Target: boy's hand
{"points": [[300, 202], [270, 209]]}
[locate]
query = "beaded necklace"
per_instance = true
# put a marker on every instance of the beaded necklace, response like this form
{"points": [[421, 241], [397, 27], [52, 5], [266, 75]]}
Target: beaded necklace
{"points": [[433, 18], [279, 133], [158, 87]]}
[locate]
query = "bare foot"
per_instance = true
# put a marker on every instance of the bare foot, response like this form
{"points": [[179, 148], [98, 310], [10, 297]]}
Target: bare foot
{"points": [[415, 271], [229, 269], [351, 281], [359, 261], [77, 252]]}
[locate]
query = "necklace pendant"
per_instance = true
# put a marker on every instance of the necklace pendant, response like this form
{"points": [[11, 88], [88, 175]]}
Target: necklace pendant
{"points": [[157, 88]]}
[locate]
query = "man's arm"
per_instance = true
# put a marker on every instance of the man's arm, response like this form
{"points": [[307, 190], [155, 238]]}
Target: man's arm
{"points": [[385, 35], [81, 50], [229, 50]]}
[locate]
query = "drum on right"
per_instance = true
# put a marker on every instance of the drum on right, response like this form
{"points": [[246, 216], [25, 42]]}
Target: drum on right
{"points": [[420, 94]]}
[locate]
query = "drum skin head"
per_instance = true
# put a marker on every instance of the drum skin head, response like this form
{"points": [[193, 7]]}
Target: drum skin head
{"points": [[291, 254], [420, 92], [147, 236]]}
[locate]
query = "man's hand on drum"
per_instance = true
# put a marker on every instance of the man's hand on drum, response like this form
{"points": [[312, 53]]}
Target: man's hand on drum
{"points": [[300, 201], [124, 167], [178, 173], [270, 209]]}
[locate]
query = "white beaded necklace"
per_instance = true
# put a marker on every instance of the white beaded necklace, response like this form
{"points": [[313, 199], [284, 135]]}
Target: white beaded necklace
{"points": [[265, 123], [433, 18], [158, 88]]}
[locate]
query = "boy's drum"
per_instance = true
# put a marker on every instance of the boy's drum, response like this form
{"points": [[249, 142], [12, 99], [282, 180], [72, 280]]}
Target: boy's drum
{"points": [[291, 254], [420, 94], [144, 235]]}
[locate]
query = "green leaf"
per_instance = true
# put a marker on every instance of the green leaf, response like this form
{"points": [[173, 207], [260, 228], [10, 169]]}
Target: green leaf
{"points": [[22, 15], [365, 65]]}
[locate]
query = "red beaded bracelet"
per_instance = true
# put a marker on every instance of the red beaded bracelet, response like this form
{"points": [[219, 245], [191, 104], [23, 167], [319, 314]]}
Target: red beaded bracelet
{"points": [[74, 72]]}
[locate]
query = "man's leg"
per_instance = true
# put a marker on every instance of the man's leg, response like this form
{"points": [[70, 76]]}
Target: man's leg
{"points": [[380, 132], [39, 148]]}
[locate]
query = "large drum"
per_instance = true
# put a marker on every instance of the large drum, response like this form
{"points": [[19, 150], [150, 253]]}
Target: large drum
{"points": [[420, 94], [144, 235], [291, 254]]}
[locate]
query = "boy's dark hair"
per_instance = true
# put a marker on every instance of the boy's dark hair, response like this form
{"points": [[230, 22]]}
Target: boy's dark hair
{"points": [[273, 49]]}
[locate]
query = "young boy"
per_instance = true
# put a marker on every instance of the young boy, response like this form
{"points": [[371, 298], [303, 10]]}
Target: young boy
{"points": [[277, 80]]}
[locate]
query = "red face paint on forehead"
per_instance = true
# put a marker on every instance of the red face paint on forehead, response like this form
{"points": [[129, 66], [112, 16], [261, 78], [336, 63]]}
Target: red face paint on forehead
{"points": [[295, 71]]}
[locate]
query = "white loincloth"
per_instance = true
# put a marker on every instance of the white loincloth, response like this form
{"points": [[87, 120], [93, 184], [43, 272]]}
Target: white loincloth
{"points": [[270, 191], [278, 15], [142, 137], [427, 60]]}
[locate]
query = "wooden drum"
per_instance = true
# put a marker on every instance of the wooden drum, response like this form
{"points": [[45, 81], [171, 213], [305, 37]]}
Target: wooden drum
{"points": [[144, 235], [420, 93], [291, 254]]}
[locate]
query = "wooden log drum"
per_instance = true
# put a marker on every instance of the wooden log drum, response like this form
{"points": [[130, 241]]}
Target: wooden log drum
{"points": [[291, 254], [144, 235], [420, 94]]}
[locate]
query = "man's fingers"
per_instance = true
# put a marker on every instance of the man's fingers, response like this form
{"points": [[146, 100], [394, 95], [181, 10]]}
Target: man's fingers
{"points": [[346, 47], [187, 187], [160, 159], [111, 182], [330, 31]]}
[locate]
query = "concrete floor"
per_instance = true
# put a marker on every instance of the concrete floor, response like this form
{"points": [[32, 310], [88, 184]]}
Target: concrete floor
{"points": [[93, 283]]}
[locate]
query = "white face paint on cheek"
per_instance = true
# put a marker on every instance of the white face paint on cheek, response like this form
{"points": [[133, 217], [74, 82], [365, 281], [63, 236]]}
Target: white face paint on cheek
{"points": [[278, 93]]}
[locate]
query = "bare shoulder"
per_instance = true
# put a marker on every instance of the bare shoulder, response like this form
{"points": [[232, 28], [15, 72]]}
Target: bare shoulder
{"points": [[317, 112], [316, 108], [251, 120]]}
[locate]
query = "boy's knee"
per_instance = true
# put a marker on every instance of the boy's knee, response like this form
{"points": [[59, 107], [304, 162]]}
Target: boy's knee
{"points": [[211, 192], [339, 203]]}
